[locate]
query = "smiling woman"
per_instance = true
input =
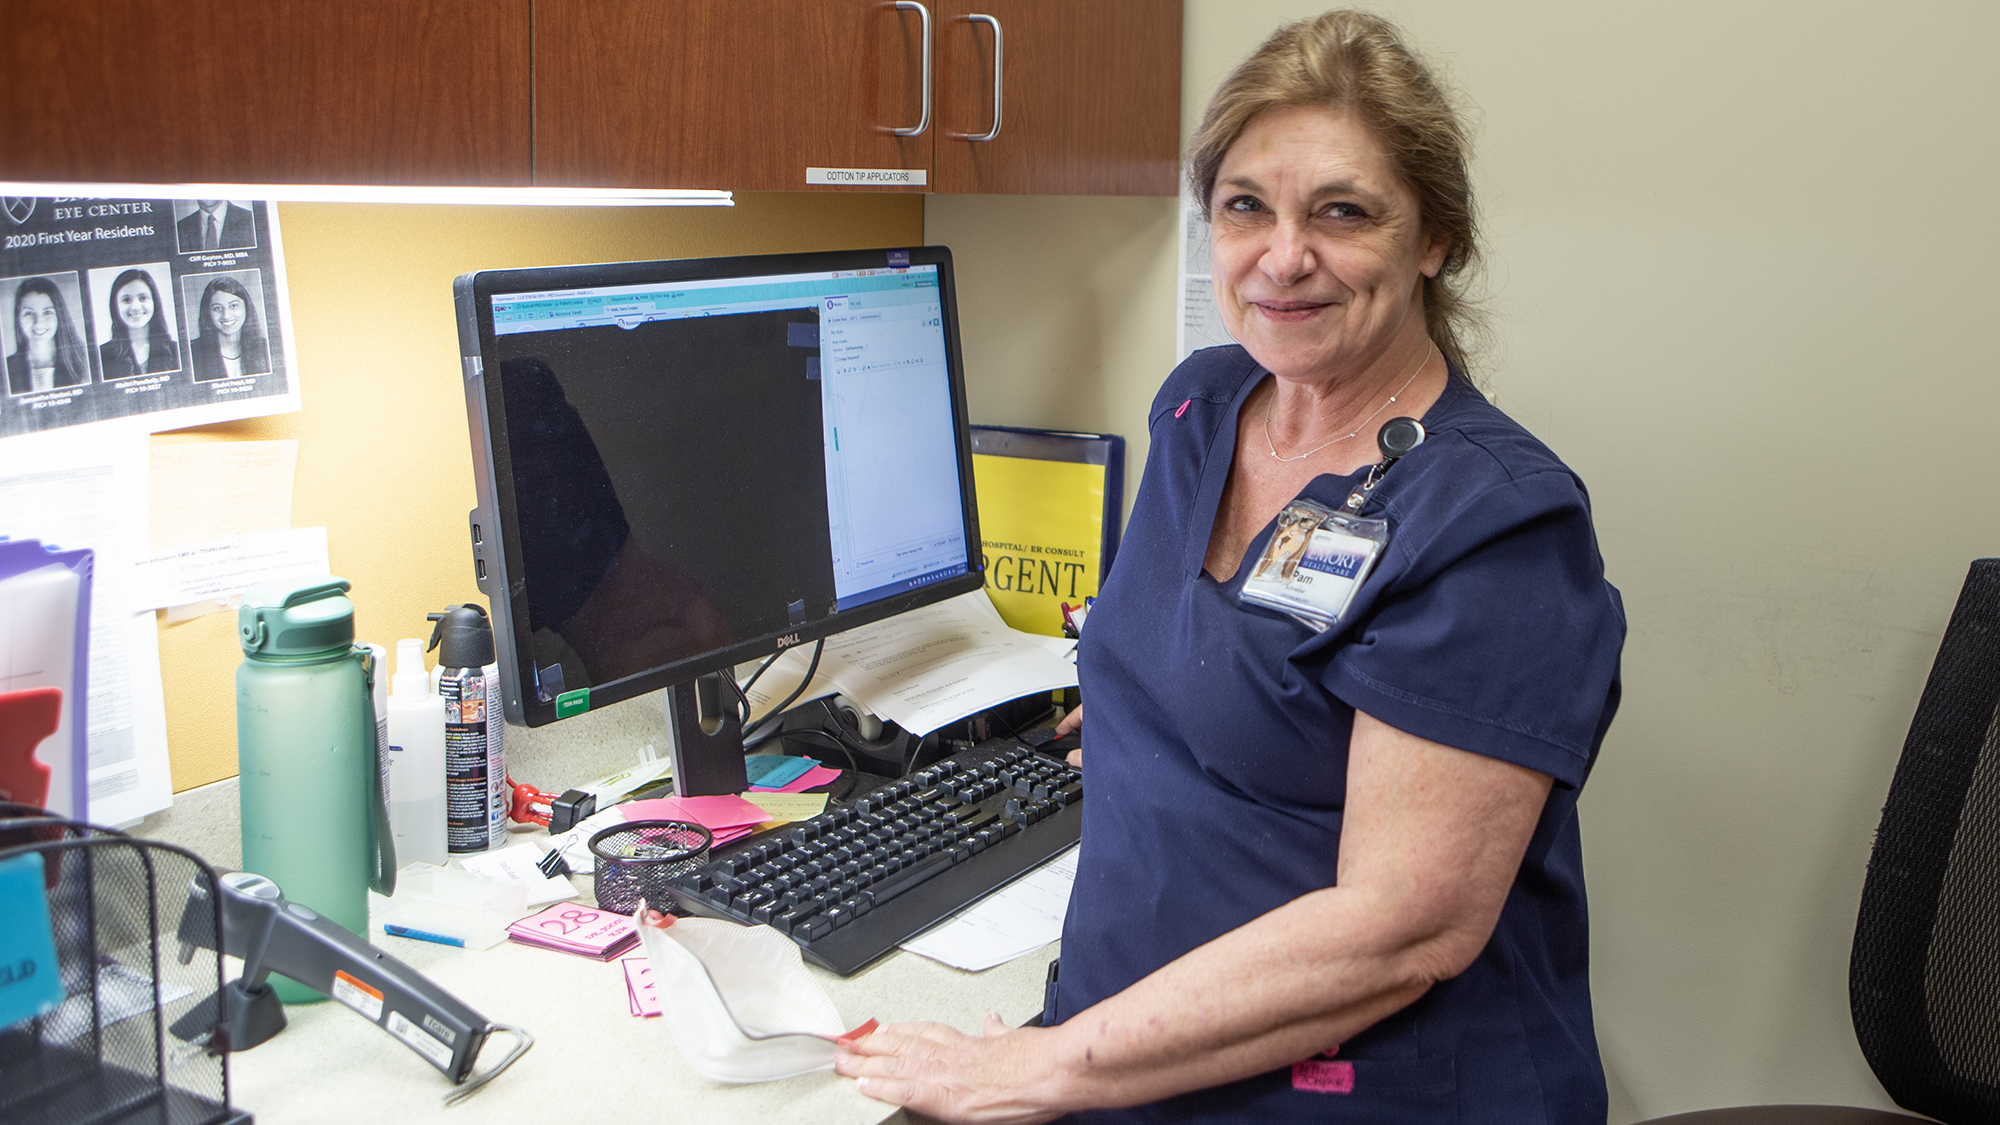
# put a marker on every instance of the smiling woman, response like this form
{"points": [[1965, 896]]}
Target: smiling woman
{"points": [[231, 340], [140, 343], [48, 351], [1330, 872]]}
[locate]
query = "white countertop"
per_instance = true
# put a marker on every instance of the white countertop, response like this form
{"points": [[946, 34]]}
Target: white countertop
{"points": [[590, 1055]]}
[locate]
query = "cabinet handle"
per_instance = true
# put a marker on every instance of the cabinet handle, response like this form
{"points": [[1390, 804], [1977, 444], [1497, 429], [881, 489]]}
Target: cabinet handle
{"points": [[923, 122], [999, 55]]}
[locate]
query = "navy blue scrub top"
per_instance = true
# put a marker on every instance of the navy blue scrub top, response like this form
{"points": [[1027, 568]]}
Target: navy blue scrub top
{"points": [[1216, 750]]}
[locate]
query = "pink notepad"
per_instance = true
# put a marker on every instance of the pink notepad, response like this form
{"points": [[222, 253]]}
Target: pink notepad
{"points": [[569, 928], [729, 835], [639, 989], [717, 814]]}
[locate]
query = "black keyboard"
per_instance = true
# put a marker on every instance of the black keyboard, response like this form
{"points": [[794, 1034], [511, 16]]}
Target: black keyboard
{"points": [[851, 884]]}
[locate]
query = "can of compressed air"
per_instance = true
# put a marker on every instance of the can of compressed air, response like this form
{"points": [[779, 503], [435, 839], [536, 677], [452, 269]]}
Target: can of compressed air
{"points": [[475, 757]]}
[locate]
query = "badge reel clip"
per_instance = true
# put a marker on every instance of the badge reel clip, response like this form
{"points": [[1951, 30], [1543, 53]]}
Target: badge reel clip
{"points": [[1317, 557]]}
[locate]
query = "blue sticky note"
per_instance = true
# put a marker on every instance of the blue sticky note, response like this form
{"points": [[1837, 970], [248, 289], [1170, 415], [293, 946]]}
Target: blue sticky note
{"points": [[29, 982], [773, 770]]}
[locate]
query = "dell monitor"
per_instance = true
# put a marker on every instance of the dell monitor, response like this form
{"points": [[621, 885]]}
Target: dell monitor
{"points": [[683, 465]]}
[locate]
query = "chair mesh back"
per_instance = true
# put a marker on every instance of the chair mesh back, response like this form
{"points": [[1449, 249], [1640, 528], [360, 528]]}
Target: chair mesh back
{"points": [[1924, 978]]}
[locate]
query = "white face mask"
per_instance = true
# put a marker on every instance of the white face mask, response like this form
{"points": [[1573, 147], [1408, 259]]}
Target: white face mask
{"points": [[739, 1001]]}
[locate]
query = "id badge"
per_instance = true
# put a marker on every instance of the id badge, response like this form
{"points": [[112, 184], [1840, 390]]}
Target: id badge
{"points": [[1313, 562]]}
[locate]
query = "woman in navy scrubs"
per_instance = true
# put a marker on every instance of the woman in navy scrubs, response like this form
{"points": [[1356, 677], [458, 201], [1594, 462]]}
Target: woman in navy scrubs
{"points": [[1325, 875]]}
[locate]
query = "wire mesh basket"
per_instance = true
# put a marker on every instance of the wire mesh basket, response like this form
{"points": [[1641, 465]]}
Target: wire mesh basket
{"points": [[104, 1053], [635, 862]]}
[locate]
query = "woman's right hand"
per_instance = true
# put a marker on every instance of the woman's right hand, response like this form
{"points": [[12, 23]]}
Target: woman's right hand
{"points": [[1071, 723]]}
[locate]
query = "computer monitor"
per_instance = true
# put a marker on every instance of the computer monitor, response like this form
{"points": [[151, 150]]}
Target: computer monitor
{"points": [[684, 465]]}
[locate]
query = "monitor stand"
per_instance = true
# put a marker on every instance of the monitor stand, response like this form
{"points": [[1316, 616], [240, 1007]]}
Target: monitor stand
{"points": [[705, 737]]}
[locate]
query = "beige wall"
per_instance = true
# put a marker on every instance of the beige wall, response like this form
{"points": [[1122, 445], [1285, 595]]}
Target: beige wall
{"points": [[384, 459], [1066, 309], [1741, 275]]}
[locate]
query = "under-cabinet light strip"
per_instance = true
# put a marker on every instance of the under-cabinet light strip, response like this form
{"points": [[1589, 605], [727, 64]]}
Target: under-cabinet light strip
{"points": [[359, 193]]}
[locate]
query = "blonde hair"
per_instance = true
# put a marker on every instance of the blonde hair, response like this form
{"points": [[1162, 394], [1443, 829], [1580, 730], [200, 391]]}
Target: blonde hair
{"points": [[1357, 62]]}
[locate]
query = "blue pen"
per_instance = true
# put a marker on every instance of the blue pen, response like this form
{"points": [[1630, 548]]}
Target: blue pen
{"points": [[394, 930]]}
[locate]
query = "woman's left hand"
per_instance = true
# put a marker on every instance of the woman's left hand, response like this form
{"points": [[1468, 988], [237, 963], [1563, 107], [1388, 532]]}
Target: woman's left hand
{"points": [[935, 1070]]}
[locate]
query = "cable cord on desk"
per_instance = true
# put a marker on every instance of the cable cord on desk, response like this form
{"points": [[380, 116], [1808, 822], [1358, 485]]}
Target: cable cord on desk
{"points": [[837, 743], [743, 689], [812, 670]]}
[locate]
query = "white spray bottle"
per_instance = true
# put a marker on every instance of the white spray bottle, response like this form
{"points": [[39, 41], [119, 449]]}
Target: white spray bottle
{"points": [[416, 756]]}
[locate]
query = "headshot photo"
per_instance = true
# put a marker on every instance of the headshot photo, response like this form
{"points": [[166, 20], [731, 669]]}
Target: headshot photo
{"points": [[225, 315], [214, 224], [133, 309], [44, 333], [1287, 545]]}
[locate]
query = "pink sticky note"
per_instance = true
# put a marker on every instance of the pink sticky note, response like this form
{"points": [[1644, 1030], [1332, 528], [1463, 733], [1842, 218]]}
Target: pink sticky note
{"points": [[574, 929], [816, 776], [712, 813], [639, 989]]}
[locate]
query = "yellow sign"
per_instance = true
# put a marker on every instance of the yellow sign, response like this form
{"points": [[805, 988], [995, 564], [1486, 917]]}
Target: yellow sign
{"points": [[1042, 529]]}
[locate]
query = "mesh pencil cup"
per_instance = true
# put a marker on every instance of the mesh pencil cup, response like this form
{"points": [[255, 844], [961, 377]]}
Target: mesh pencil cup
{"points": [[636, 861]]}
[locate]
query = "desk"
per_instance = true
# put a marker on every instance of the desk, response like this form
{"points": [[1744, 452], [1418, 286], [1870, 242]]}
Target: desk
{"points": [[330, 1065]]}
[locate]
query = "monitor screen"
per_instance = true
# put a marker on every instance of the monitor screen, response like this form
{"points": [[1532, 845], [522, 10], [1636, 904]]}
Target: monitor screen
{"points": [[682, 465]]}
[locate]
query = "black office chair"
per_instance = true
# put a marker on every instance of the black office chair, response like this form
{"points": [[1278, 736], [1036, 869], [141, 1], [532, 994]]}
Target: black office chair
{"points": [[1923, 982]]}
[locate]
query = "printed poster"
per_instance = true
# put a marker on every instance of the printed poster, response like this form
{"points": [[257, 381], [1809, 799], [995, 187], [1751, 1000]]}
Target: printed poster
{"points": [[1200, 322], [173, 312], [1041, 525]]}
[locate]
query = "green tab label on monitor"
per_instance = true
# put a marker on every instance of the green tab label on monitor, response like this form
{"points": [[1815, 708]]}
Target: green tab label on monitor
{"points": [[572, 703]]}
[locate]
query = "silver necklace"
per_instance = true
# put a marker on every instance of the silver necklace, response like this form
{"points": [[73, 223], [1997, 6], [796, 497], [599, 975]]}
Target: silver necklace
{"points": [[1357, 430]]}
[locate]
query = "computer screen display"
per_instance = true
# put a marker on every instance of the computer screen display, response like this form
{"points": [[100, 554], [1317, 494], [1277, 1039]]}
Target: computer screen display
{"points": [[686, 464]]}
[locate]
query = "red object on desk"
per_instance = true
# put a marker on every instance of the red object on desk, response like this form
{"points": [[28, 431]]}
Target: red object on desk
{"points": [[26, 718]]}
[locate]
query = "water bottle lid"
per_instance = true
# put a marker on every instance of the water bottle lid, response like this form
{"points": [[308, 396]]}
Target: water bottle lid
{"points": [[296, 618]]}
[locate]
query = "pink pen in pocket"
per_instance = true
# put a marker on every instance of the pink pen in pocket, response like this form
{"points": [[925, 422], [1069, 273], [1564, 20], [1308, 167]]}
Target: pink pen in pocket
{"points": [[1323, 1074]]}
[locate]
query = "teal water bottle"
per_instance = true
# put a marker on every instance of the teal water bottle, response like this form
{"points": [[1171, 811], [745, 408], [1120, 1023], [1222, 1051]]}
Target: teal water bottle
{"points": [[310, 786]]}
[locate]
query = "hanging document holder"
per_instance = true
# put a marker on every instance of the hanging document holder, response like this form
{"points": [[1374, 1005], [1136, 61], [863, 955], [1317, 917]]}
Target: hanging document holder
{"points": [[45, 643], [1050, 503]]}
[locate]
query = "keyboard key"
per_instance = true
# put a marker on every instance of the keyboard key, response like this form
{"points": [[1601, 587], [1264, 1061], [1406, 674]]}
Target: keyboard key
{"points": [[909, 877]]}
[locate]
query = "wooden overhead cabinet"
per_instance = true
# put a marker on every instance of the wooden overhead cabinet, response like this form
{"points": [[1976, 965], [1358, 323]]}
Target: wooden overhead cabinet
{"points": [[1034, 96], [752, 94], [273, 91], [1088, 100], [739, 94]]}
